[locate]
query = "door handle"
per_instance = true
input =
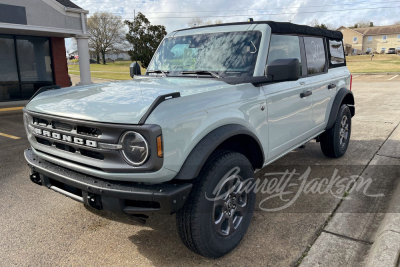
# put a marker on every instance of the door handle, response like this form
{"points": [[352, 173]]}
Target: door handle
{"points": [[305, 94], [331, 86]]}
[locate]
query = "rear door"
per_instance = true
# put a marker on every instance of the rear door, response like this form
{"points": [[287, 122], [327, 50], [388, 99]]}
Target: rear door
{"points": [[289, 115], [319, 80]]}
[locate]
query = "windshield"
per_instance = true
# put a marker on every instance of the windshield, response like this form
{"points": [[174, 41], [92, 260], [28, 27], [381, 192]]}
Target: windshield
{"points": [[228, 54]]}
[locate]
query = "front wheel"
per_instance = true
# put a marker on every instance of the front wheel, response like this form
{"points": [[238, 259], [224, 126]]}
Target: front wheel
{"points": [[218, 211], [335, 141]]}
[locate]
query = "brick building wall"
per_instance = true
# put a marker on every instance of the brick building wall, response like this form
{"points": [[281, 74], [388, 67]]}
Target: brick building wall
{"points": [[60, 67]]}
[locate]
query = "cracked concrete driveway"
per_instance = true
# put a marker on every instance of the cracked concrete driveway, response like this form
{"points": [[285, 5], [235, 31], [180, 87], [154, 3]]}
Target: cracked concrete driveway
{"points": [[41, 227]]}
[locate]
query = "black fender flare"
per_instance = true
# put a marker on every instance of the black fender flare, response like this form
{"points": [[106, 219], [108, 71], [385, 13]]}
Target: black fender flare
{"points": [[342, 94], [200, 153]]}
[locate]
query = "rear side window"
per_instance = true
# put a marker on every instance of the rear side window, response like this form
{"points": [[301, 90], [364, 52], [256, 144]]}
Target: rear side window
{"points": [[337, 52], [315, 55], [284, 47]]}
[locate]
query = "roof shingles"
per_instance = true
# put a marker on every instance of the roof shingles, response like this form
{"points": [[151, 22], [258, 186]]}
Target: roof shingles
{"points": [[379, 30], [68, 3]]}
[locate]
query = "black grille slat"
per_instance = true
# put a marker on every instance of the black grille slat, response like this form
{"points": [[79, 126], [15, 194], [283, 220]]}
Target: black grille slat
{"points": [[65, 147], [62, 126], [91, 154], [88, 131], [43, 141]]}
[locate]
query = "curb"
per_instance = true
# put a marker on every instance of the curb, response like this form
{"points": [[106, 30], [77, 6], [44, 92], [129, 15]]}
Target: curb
{"points": [[386, 249], [377, 73]]}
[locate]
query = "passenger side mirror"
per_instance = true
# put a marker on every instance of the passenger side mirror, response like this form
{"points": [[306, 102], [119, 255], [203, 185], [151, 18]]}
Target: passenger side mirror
{"points": [[135, 69], [284, 70]]}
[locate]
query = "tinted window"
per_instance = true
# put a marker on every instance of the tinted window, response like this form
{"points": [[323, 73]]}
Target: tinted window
{"points": [[337, 53], [34, 59], [283, 47], [315, 54]]}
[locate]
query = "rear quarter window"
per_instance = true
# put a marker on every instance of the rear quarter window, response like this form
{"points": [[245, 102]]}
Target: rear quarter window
{"points": [[337, 52]]}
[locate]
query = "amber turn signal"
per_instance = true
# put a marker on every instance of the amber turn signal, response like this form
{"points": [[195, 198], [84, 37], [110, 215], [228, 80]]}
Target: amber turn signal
{"points": [[159, 147]]}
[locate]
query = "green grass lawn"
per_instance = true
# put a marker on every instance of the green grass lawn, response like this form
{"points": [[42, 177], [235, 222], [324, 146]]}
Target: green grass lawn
{"points": [[119, 70], [379, 63], [356, 64]]}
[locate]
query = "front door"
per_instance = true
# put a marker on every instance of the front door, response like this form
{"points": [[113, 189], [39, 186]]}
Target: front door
{"points": [[289, 107]]}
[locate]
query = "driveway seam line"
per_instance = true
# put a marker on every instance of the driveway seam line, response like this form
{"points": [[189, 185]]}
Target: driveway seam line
{"points": [[321, 229], [348, 237]]}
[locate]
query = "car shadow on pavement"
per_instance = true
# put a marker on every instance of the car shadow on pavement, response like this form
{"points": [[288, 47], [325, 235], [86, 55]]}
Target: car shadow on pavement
{"points": [[275, 238]]}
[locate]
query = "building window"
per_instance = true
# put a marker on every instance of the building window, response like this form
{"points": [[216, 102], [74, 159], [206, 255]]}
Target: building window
{"points": [[25, 69], [355, 51], [369, 38], [369, 50], [355, 39], [398, 48], [384, 37], [383, 50]]}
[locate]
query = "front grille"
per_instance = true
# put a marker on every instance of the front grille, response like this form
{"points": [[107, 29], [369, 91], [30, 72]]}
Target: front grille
{"points": [[78, 142]]}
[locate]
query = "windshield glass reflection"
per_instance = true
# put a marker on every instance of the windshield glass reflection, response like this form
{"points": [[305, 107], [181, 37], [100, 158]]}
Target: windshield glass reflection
{"points": [[228, 54]]}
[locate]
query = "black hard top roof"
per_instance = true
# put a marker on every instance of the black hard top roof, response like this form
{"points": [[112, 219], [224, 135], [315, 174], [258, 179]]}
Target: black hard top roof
{"points": [[285, 28]]}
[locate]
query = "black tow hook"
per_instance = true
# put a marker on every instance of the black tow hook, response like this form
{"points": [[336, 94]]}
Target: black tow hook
{"points": [[95, 201], [35, 177]]}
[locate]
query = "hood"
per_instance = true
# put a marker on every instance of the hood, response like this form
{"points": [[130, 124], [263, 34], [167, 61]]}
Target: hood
{"points": [[117, 102]]}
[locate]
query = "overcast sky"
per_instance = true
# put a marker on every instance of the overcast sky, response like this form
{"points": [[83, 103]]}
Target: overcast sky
{"points": [[175, 14]]}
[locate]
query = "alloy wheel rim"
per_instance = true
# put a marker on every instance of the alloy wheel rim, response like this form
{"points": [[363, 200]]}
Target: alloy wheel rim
{"points": [[229, 209], [344, 131]]}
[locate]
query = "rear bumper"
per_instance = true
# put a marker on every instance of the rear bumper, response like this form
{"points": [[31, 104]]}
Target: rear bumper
{"points": [[114, 196]]}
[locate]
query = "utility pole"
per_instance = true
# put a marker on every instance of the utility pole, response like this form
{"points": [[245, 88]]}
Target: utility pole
{"points": [[134, 18]]}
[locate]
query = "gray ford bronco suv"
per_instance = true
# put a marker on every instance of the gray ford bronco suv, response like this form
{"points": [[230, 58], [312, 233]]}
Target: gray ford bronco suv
{"points": [[216, 104]]}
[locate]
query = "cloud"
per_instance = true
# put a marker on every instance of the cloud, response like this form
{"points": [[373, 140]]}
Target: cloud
{"points": [[175, 14], [336, 12]]}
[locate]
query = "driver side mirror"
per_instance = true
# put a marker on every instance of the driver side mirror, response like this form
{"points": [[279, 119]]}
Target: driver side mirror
{"points": [[135, 69], [284, 70]]}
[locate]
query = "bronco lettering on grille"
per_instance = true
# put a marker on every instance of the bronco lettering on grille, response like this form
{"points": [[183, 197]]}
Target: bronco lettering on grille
{"points": [[65, 138]]}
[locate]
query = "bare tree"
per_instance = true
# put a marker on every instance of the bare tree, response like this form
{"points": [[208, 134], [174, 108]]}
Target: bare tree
{"points": [[363, 24], [106, 31], [396, 22], [315, 23], [197, 22]]}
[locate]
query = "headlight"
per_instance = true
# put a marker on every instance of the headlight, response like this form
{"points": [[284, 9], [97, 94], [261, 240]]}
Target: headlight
{"points": [[135, 149], [27, 125]]}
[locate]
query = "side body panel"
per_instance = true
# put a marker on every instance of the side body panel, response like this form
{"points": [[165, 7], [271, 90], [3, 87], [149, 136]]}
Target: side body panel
{"points": [[289, 115]]}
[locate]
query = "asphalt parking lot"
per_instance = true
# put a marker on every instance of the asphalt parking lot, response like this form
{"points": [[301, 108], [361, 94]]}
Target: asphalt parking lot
{"points": [[39, 227]]}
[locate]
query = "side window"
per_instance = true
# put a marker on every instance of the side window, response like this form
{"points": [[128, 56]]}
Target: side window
{"points": [[315, 55], [283, 47], [337, 53]]}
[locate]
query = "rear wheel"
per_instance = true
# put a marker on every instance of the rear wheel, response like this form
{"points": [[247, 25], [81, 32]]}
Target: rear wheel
{"points": [[335, 141], [218, 211]]}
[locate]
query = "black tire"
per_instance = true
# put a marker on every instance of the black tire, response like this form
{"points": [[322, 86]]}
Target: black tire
{"points": [[335, 141], [196, 220]]}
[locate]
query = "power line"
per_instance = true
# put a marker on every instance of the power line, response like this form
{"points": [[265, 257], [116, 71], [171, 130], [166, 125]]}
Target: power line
{"points": [[202, 11], [271, 14]]}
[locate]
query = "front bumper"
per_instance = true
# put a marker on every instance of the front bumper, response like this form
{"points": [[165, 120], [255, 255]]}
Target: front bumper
{"points": [[114, 196]]}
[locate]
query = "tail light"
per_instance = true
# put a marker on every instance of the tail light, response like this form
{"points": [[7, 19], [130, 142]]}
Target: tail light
{"points": [[351, 81]]}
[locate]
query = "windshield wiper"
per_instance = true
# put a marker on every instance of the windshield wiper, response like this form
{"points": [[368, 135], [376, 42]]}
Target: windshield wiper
{"points": [[159, 71], [211, 73]]}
